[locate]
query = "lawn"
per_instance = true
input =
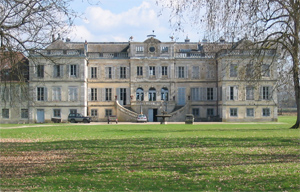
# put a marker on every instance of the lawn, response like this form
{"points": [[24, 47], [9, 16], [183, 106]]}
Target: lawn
{"points": [[144, 157]]}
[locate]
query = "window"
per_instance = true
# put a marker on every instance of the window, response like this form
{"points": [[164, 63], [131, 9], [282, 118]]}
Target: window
{"points": [[232, 93], [164, 49], [152, 94], [196, 72], [94, 112], [233, 70], [40, 71], [94, 95], [180, 72], [56, 94], [210, 72], [152, 70], [233, 112], [250, 112], [195, 112], [73, 111], [5, 113], [73, 70], [165, 94], [73, 94], [266, 93], [108, 112], [5, 95], [57, 71], [139, 71], [265, 70], [140, 94], [139, 49], [108, 94], [24, 113], [164, 70], [56, 113], [210, 94], [108, 72], [249, 93], [41, 94], [266, 112], [210, 112], [122, 72], [93, 72], [249, 70]]}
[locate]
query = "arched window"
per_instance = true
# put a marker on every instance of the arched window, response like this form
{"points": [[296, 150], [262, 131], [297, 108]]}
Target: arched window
{"points": [[164, 94], [140, 94], [152, 94]]}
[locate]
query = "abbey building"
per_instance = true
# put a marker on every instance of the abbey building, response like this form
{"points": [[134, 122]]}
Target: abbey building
{"points": [[218, 81]]}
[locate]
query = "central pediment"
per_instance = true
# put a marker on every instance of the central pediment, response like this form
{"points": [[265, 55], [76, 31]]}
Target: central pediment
{"points": [[152, 40]]}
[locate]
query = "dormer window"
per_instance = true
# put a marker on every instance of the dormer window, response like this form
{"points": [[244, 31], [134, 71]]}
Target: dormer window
{"points": [[164, 49], [139, 49]]}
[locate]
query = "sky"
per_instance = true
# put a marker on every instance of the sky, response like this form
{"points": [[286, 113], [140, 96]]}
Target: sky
{"points": [[118, 20]]}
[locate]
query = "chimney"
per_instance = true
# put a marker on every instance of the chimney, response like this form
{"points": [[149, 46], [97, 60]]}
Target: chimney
{"points": [[187, 40]]}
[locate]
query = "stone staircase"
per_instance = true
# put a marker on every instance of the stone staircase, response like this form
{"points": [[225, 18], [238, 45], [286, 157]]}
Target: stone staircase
{"points": [[125, 114]]}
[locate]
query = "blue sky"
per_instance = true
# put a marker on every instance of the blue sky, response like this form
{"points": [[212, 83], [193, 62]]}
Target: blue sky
{"points": [[117, 20]]}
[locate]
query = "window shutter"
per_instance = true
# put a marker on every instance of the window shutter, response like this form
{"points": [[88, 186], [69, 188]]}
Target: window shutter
{"points": [[157, 69], [127, 73], [186, 71], [103, 95], [169, 71], [82, 93], [54, 71], [261, 93], [59, 93], [61, 68], [98, 73], [45, 94], [118, 94], [68, 70], [76, 94], [228, 93], [118, 72], [176, 72], [69, 94], [127, 96], [270, 96], [78, 68], [235, 93], [113, 69], [215, 89]]}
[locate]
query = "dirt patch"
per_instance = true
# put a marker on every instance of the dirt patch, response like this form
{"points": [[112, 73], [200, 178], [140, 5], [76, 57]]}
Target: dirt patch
{"points": [[20, 164], [12, 140]]}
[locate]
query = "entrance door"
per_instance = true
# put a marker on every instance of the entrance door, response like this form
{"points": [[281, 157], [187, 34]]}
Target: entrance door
{"points": [[40, 113], [181, 96], [150, 115]]}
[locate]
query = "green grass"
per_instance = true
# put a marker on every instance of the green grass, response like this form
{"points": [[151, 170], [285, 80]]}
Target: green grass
{"points": [[143, 157]]}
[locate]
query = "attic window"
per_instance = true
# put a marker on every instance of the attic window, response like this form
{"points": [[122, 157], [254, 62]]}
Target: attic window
{"points": [[65, 52], [164, 49], [152, 49], [139, 49], [185, 50]]}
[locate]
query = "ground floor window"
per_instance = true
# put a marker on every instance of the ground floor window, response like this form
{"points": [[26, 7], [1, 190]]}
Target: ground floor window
{"points": [[24, 113], [266, 112], [196, 112], [108, 112], [73, 111], [250, 112], [233, 112], [94, 112], [56, 113], [5, 113], [210, 112]]}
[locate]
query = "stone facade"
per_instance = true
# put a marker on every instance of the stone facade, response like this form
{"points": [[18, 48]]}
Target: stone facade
{"points": [[210, 80]]}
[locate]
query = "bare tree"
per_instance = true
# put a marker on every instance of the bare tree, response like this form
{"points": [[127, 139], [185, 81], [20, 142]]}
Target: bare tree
{"points": [[268, 23], [27, 25]]}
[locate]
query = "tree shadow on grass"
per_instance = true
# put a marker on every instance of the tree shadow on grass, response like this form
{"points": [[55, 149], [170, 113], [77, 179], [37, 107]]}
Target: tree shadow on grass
{"points": [[119, 158]]}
